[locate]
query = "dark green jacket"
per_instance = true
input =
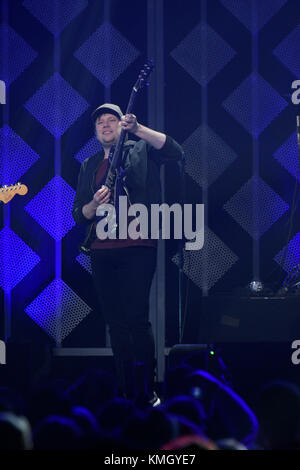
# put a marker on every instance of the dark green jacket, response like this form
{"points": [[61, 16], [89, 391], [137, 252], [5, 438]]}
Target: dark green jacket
{"points": [[142, 177]]}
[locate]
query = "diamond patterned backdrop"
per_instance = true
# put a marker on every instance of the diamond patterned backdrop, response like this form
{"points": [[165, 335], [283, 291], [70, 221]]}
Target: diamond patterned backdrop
{"points": [[254, 114], [45, 135], [111, 58], [88, 150], [203, 64], [256, 207], [17, 156], [229, 109], [18, 256], [52, 208], [56, 105], [16, 56], [237, 126], [85, 262], [255, 14], [288, 52], [208, 156], [287, 155], [58, 318], [55, 16], [207, 266], [289, 256]]}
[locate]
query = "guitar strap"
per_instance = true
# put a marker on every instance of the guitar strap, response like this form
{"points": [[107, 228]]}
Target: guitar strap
{"points": [[121, 170], [107, 168]]}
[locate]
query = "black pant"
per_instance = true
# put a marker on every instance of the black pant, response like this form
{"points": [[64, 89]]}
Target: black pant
{"points": [[123, 280]]}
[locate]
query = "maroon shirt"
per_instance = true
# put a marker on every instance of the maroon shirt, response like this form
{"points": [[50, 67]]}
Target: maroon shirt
{"points": [[117, 243]]}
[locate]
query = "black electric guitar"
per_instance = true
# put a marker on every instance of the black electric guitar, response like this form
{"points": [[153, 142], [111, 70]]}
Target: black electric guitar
{"points": [[8, 192], [114, 175]]}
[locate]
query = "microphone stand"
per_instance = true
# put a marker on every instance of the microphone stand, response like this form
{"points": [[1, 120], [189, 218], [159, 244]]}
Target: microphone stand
{"points": [[180, 247], [211, 350]]}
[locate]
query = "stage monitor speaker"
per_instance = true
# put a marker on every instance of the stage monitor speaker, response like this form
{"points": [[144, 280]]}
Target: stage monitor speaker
{"points": [[206, 357], [249, 319], [193, 354]]}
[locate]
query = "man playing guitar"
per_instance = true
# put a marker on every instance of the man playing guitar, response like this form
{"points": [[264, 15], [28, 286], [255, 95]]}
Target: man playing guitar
{"points": [[123, 269]]}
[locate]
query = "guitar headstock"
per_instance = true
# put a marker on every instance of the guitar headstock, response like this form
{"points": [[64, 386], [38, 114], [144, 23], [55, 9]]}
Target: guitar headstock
{"points": [[144, 75], [8, 192]]}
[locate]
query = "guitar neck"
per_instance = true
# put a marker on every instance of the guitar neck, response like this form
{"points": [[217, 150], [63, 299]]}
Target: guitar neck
{"points": [[8, 192], [119, 147], [118, 150], [115, 162]]}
